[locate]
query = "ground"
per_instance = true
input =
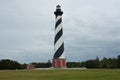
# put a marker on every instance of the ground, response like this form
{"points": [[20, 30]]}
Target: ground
{"points": [[88, 74]]}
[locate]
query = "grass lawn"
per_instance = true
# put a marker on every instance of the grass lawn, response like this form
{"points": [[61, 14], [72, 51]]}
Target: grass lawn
{"points": [[88, 74]]}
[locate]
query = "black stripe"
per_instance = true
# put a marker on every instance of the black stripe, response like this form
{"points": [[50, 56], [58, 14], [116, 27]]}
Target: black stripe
{"points": [[59, 52], [58, 22], [58, 35]]}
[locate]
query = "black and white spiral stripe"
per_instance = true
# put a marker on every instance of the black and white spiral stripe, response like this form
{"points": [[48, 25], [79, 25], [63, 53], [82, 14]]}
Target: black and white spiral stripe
{"points": [[58, 42]]}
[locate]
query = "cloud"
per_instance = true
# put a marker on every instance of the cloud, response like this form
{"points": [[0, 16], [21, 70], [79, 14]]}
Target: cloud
{"points": [[91, 28]]}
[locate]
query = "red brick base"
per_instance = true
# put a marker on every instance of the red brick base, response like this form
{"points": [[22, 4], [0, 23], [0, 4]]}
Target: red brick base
{"points": [[59, 63]]}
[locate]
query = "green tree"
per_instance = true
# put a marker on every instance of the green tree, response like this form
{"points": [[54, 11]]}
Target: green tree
{"points": [[7, 64], [73, 64], [118, 61], [94, 63], [104, 63]]}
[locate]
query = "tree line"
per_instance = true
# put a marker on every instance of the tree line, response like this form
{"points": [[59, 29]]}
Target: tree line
{"points": [[6, 64], [105, 63]]}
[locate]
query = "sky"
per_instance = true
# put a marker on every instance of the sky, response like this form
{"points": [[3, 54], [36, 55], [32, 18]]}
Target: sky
{"points": [[91, 28]]}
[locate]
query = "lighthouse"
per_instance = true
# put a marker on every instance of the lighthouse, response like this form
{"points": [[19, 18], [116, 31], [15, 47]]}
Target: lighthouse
{"points": [[59, 60]]}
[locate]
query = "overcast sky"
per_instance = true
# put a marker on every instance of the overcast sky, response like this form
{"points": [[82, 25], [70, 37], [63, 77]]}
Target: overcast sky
{"points": [[91, 28]]}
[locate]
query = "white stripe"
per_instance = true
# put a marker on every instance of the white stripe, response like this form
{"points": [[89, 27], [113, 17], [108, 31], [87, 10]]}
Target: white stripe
{"points": [[58, 43], [58, 17], [59, 27], [62, 56]]}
